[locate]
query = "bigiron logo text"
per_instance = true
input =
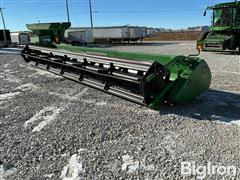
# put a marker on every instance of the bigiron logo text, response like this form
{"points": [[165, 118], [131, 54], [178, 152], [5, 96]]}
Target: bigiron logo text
{"points": [[210, 169]]}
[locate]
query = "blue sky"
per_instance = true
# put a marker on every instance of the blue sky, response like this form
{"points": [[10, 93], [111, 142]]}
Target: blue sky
{"points": [[152, 13]]}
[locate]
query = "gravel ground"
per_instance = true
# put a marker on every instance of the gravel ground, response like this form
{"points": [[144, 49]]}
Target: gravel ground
{"points": [[53, 128]]}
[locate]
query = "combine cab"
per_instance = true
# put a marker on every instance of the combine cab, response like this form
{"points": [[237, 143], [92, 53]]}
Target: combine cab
{"points": [[225, 29], [149, 80]]}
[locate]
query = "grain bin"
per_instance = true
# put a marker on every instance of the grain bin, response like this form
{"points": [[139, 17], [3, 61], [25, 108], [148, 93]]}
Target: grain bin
{"points": [[53, 32], [20, 38], [118, 33], [79, 37]]}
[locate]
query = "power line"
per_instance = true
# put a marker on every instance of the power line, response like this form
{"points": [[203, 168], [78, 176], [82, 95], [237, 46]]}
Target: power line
{"points": [[117, 12], [148, 11], [84, 1], [74, 14]]}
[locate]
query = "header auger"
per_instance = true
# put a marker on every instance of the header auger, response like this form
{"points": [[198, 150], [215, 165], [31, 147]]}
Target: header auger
{"points": [[145, 81]]}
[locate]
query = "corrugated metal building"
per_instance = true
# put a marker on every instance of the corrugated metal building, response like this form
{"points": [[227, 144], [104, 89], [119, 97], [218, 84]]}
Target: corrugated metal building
{"points": [[113, 33]]}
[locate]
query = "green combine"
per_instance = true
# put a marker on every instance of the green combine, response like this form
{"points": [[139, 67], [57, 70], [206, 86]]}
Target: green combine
{"points": [[224, 33]]}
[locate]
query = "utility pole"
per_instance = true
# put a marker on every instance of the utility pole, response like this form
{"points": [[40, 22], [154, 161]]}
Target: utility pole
{"points": [[4, 26], [91, 17], [68, 17]]}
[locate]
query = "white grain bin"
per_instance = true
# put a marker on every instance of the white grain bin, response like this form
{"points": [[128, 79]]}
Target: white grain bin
{"points": [[150, 32], [144, 32], [81, 36], [137, 32], [112, 32], [20, 38]]}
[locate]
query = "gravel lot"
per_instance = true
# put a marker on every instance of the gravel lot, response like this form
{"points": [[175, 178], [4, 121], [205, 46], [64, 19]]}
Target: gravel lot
{"points": [[53, 128]]}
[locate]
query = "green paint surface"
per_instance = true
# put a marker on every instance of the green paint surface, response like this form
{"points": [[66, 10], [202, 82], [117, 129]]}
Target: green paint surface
{"points": [[163, 59]]}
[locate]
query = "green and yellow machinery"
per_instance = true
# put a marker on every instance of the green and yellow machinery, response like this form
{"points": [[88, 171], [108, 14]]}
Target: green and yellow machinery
{"points": [[224, 33], [146, 79], [48, 33]]}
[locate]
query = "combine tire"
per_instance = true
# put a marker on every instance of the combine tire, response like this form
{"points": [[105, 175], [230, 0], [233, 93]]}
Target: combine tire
{"points": [[203, 36]]}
